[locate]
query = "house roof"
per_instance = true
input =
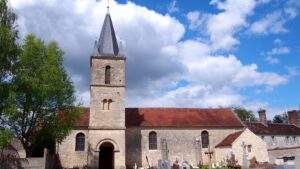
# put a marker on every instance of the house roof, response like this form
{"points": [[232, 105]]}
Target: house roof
{"points": [[273, 128], [229, 139], [173, 117]]}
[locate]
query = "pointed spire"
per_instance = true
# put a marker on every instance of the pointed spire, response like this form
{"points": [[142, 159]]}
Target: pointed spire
{"points": [[107, 43]]}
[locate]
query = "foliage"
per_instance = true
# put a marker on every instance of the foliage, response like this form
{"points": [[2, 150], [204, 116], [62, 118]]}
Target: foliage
{"points": [[244, 114], [41, 103], [5, 137], [8, 36], [282, 118]]}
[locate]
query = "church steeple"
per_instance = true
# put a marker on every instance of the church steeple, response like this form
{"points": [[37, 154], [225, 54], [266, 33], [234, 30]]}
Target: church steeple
{"points": [[107, 43]]}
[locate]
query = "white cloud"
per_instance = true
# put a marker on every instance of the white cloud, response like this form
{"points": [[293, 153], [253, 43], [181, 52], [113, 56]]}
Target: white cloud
{"points": [[157, 58], [279, 51], [222, 27], [173, 7], [272, 60], [274, 22], [271, 23]]}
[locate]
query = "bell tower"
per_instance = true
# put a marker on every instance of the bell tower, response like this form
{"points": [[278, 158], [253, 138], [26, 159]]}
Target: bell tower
{"points": [[107, 86]]}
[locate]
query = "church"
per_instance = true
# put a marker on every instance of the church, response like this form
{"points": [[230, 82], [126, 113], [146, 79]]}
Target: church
{"points": [[110, 136]]}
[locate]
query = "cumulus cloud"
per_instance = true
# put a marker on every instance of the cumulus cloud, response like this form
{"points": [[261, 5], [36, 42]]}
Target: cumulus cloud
{"points": [[162, 69], [222, 27]]}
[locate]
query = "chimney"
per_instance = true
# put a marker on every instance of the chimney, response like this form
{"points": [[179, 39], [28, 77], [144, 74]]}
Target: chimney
{"points": [[262, 116], [292, 116]]}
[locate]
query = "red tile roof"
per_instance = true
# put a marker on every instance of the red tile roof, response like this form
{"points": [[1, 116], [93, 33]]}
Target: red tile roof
{"points": [[273, 129], [173, 117], [229, 139], [181, 117], [84, 118]]}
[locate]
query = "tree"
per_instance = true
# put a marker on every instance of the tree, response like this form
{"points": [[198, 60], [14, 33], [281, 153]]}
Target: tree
{"points": [[41, 90], [9, 52], [244, 114], [5, 137], [281, 118], [8, 35]]}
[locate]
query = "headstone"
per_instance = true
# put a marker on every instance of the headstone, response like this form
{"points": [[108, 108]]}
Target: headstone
{"points": [[135, 166], [164, 149], [245, 159], [297, 160], [164, 164], [186, 165]]}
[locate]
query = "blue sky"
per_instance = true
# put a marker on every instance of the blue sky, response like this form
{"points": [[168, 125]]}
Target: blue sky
{"points": [[196, 54]]}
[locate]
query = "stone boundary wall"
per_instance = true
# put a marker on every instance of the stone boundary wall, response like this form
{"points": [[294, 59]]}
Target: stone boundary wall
{"points": [[46, 162]]}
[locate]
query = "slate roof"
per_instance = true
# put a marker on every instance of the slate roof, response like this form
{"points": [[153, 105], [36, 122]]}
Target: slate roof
{"points": [[273, 129], [229, 139], [107, 43], [173, 117]]}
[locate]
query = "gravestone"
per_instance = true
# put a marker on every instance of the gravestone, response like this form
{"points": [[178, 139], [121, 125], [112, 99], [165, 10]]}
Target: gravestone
{"points": [[186, 165], [297, 160], [164, 164]]}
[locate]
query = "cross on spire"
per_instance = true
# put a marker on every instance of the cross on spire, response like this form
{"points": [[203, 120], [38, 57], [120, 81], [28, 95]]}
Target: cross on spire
{"points": [[107, 6]]}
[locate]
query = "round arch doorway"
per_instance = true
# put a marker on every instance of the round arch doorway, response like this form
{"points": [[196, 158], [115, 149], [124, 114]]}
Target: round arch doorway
{"points": [[106, 156]]}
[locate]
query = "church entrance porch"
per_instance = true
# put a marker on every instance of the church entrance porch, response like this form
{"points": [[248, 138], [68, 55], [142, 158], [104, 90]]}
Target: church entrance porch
{"points": [[106, 156]]}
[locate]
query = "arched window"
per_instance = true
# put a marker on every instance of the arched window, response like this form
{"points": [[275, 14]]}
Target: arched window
{"points": [[107, 75], [204, 139], [104, 101], [152, 140], [108, 104], [80, 142]]}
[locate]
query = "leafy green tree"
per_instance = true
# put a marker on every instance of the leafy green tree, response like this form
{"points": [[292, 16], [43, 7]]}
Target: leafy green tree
{"points": [[244, 114], [281, 118], [8, 37], [9, 52], [41, 91], [5, 137]]}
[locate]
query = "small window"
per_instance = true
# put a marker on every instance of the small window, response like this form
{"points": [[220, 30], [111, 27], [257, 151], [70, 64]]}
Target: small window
{"points": [[107, 75], [249, 147], [273, 140], [152, 140], [80, 142], [109, 103], [104, 101], [205, 139]]}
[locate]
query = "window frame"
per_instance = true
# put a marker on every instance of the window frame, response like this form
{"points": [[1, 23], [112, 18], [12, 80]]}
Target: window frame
{"points": [[80, 142], [152, 140], [205, 136], [107, 75]]}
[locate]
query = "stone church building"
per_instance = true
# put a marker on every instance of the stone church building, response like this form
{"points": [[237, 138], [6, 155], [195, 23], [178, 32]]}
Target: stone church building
{"points": [[110, 136]]}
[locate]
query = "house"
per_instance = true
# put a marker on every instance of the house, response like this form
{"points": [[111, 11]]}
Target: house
{"points": [[244, 145], [282, 139]]}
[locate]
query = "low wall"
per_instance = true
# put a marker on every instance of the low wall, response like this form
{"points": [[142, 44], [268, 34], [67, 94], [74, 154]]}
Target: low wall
{"points": [[45, 162]]}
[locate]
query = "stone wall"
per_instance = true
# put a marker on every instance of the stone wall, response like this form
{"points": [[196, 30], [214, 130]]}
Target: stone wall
{"points": [[258, 147], [181, 144], [68, 156], [276, 155], [116, 138]]}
